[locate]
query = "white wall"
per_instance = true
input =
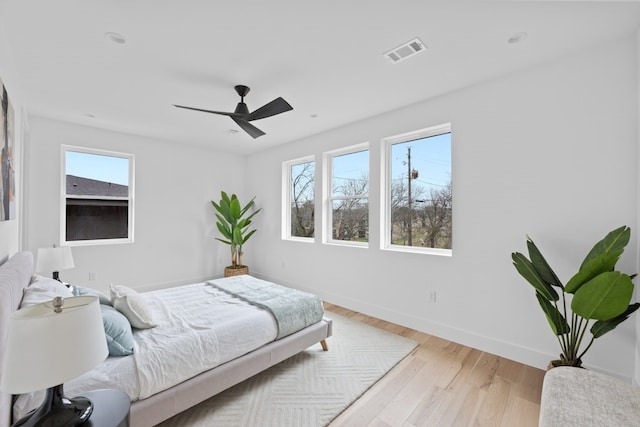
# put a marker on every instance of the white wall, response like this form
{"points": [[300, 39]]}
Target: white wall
{"points": [[550, 152], [174, 219]]}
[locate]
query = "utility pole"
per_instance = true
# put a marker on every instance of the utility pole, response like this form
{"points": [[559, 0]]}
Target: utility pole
{"points": [[410, 226]]}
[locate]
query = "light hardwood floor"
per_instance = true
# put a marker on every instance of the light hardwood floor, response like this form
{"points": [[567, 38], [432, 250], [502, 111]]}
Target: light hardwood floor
{"points": [[442, 383]]}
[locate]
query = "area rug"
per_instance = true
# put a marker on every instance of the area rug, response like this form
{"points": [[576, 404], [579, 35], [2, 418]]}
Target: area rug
{"points": [[309, 389]]}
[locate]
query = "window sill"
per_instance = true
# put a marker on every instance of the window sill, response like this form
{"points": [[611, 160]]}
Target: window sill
{"points": [[347, 243], [96, 242], [419, 250], [300, 239]]}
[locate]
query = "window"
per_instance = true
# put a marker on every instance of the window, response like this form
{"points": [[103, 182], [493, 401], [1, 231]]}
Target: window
{"points": [[417, 191], [97, 196], [347, 211], [299, 199]]}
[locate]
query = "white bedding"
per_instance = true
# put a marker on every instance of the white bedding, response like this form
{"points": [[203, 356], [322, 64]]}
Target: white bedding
{"points": [[199, 327]]}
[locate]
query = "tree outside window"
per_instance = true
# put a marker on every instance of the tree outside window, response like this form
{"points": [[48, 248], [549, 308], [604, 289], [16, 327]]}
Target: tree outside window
{"points": [[420, 190], [302, 200], [349, 198]]}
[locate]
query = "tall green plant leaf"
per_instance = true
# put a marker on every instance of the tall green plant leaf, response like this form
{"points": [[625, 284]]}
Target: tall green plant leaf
{"points": [[237, 236], [601, 327], [541, 265], [603, 297], [247, 236], [247, 206], [226, 242], [613, 241], [556, 320], [527, 270], [226, 233], [224, 205], [254, 213], [243, 223], [217, 207], [234, 210], [602, 263], [224, 230]]}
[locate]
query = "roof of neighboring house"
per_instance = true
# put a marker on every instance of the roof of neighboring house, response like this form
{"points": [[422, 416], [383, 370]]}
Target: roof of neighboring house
{"points": [[79, 186]]}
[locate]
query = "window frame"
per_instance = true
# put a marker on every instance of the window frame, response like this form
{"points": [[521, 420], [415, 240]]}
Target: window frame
{"points": [[327, 193], [63, 197], [286, 197], [385, 189]]}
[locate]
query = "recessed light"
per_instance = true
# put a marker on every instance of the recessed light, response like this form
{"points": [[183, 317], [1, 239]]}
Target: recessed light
{"points": [[91, 116], [233, 131], [517, 38], [313, 116], [115, 37]]}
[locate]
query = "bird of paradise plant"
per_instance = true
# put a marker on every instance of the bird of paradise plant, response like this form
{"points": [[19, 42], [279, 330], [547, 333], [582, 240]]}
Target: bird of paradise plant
{"points": [[599, 295], [233, 225]]}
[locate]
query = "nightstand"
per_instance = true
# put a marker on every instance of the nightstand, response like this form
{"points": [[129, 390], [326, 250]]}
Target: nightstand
{"points": [[110, 408]]}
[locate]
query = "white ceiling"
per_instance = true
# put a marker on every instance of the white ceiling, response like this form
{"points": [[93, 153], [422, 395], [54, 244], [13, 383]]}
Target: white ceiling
{"points": [[324, 57]]}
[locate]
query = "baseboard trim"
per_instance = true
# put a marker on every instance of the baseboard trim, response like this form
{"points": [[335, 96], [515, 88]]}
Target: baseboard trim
{"points": [[522, 354]]}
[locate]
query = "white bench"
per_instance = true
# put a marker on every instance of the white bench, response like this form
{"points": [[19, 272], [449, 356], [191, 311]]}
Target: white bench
{"points": [[582, 398]]}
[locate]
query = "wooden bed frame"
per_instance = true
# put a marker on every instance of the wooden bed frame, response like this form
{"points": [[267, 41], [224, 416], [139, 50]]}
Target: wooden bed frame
{"points": [[15, 275]]}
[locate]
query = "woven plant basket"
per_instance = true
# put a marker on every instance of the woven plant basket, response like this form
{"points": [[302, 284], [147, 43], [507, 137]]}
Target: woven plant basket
{"points": [[562, 362], [236, 271]]}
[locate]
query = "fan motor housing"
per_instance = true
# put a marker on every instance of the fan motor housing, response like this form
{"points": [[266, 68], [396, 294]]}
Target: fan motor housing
{"points": [[242, 108]]}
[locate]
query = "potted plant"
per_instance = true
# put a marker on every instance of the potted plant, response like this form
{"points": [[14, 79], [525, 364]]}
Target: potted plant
{"points": [[599, 295], [234, 226]]}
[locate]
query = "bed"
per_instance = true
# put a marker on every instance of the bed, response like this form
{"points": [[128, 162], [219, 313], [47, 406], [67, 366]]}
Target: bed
{"points": [[157, 397]]}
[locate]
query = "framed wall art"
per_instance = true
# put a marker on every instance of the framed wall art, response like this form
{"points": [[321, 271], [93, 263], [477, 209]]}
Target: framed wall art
{"points": [[7, 169]]}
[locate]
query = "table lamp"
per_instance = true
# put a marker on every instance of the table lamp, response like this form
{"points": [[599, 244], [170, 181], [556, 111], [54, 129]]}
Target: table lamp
{"points": [[48, 344], [54, 259]]}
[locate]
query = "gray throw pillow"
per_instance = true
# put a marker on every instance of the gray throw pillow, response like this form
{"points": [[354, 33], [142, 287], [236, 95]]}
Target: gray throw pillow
{"points": [[80, 291], [118, 331]]}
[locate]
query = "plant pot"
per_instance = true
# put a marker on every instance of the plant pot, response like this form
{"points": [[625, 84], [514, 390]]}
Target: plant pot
{"points": [[235, 270], [564, 362]]}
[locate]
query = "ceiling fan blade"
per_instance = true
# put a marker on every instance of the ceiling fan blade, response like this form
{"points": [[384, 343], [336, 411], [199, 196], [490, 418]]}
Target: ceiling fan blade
{"points": [[274, 107], [248, 127], [224, 113]]}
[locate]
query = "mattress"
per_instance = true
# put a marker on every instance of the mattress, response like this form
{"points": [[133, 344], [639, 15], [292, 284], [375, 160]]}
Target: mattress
{"points": [[198, 328]]}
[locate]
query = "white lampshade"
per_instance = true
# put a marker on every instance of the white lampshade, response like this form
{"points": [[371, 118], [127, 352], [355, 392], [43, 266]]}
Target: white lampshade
{"points": [[45, 349], [54, 259]]}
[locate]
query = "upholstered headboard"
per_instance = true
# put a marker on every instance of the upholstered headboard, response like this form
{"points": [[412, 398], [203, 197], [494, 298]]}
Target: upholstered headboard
{"points": [[15, 275]]}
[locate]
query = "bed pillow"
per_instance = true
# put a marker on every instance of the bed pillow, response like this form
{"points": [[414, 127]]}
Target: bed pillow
{"points": [[116, 326], [117, 330], [43, 289], [80, 291], [133, 306]]}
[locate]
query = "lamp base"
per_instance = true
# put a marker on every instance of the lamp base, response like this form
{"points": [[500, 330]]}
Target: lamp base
{"points": [[58, 411]]}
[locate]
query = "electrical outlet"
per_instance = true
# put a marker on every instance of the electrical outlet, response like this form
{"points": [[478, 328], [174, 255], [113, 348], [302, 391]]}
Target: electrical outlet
{"points": [[92, 275], [432, 296]]}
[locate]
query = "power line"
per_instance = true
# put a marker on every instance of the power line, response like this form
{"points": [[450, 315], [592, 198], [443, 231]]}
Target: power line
{"points": [[352, 179], [424, 182]]}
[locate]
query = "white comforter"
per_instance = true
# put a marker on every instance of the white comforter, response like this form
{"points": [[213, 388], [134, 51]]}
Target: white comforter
{"points": [[199, 327]]}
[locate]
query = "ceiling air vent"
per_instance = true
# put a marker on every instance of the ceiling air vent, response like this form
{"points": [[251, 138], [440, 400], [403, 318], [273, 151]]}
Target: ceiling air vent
{"points": [[405, 51]]}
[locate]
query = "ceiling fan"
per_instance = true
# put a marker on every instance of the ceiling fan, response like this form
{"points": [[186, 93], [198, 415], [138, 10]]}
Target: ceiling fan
{"points": [[242, 116]]}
